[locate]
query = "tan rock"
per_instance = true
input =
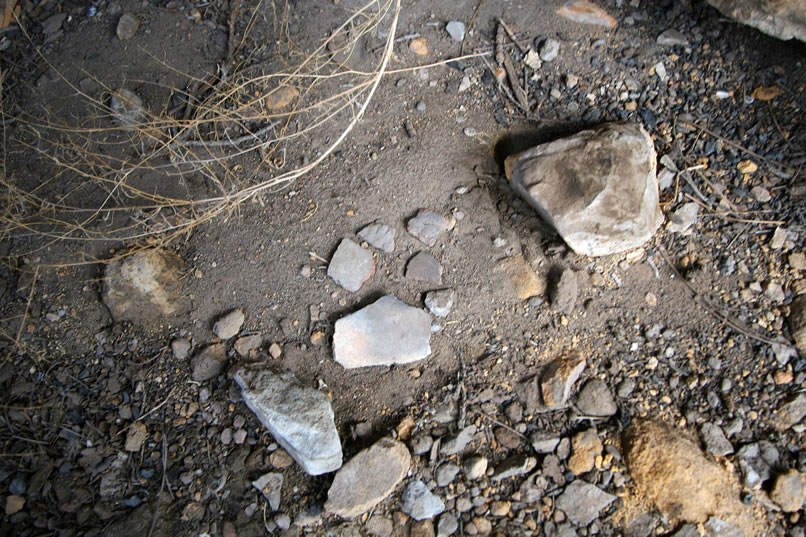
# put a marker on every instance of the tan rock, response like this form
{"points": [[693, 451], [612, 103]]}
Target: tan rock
{"points": [[14, 504], [558, 378], [586, 12], [789, 491], [523, 280], [585, 447]]}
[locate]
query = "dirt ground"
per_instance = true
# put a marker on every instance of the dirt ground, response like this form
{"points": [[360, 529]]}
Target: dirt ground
{"points": [[689, 317]]}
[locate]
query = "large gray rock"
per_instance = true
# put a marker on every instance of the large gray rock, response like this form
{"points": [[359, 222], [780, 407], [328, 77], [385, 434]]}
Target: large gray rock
{"points": [[143, 286], [597, 188], [386, 332], [299, 418], [368, 478], [581, 502], [783, 19]]}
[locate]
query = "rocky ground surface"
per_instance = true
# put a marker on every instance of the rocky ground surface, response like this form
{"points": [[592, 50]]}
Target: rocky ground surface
{"points": [[397, 343]]}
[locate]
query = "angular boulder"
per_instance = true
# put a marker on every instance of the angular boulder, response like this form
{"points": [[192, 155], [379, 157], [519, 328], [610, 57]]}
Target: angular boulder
{"points": [[386, 332], [597, 188], [368, 478], [143, 286], [783, 19], [299, 418]]}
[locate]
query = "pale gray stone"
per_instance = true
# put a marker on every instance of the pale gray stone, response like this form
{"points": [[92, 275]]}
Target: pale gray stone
{"points": [[448, 524], [612, 203], [714, 440], [379, 236], [351, 266], [672, 37], [180, 347], [683, 218], [245, 344], [549, 49], [544, 442], [564, 294], [424, 267], [459, 442], [790, 412], [446, 473], [475, 467], [271, 486], [380, 526], [299, 418], [368, 478], [716, 527], [427, 226], [420, 503], [783, 19], [595, 399], [386, 332], [440, 302], [209, 362], [581, 502], [127, 26], [229, 325], [456, 30], [513, 466]]}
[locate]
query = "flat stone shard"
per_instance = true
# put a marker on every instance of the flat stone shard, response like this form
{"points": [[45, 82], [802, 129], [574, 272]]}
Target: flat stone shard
{"points": [[559, 377], [427, 226], [209, 362], [424, 267], [299, 418], [597, 188], [783, 19], [368, 478], [386, 332], [581, 502], [143, 286], [271, 486], [440, 302], [229, 325], [379, 236], [420, 503], [351, 266]]}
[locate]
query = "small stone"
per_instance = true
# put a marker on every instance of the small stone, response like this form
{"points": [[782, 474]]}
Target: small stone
{"points": [[789, 491], [127, 26], [246, 344], [193, 511], [379, 236], [386, 332], [523, 281], [672, 37], [440, 303], [514, 412], [446, 473], [456, 30], [475, 467], [422, 444], [209, 363], [549, 50], [558, 378], [515, 465], [660, 70], [761, 194], [775, 292], [465, 85], [790, 412], [459, 442], [500, 508], [271, 486], [424, 267], [581, 502], [180, 347], [368, 478], [280, 97], [351, 266], [448, 524], [420, 107], [280, 458], [317, 338], [14, 504], [797, 321], [595, 399], [427, 226], [136, 436], [625, 388], [229, 325], [283, 521], [755, 464], [423, 528], [571, 81], [380, 526], [716, 527], [275, 350], [797, 261], [532, 60], [483, 526], [420, 503], [683, 218], [419, 46], [507, 438], [715, 441], [586, 12], [585, 447], [544, 442], [564, 294], [299, 418]]}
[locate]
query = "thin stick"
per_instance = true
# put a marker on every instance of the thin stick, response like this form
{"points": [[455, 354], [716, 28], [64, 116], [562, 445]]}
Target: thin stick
{"points": [[470, 25], [512, 36], [505, 426]]}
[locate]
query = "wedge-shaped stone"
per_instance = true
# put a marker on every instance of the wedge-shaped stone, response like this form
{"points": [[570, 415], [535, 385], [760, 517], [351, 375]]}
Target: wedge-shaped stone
{"points": [[597, 188], [299, 418], [386, 332]]}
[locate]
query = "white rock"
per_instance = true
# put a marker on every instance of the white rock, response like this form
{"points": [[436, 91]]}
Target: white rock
{"points": [[299, 418], [271, 486], [456, 30], [683, 218], [379, 236], [420, 503], [229, 325], [351, 266]]}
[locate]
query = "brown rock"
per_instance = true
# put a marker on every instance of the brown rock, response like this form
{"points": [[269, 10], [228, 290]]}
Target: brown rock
{"points": [[422, 528], [789, 491], [209, 363], [246, 344], [193, 511], [280, 458], [500, 508], [790, 412], [483, 526], [524, 282], [585, 447], [507, 437], [587, 13], [281, 97], [136, 436], [559, 377], [14, 504]]}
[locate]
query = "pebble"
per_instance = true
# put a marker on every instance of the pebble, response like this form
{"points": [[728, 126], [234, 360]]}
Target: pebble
{"points": [[595, 399], [420, 107], [379, 236], [271, 486], [790, 412], [423, 528], [564, 296], [585, 447], [280, 458], [368, 478], [420, 503], [226, 436], [483, 526], [755, 464], [229, 325], [789, 491], [127, 26], [448, 524], [523, 280], [778, 238], [544, 442], [380, 526], [440, 302], [683, 218], [513, 466], [427, 226], [558, 378], [465, 84], [581, 502], [180, 347], [459, 442], [246, 344], [571, 81], [716, 527], [424, 267], [507, 438], [549, 50], [672, 37], [714, 440], [422, 444], [351, 266], [456, 30], [500, 508], [475, 467], [761, 194], [625, 388], [386, 332], [14, 504], [446, 473], [209, 363]]}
